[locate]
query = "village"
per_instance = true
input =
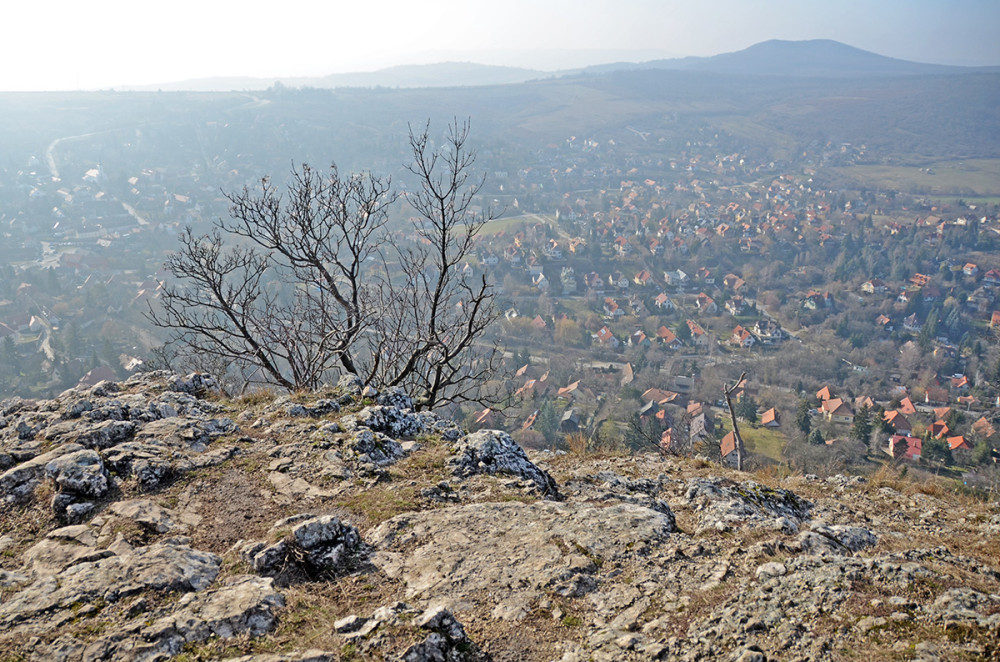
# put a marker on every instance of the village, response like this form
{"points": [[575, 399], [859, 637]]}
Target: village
{"points": [[629, 293]]}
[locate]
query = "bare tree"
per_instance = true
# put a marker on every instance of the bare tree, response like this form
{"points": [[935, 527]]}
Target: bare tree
{"points": [[431, 342], [740, 448], [315, 284]]}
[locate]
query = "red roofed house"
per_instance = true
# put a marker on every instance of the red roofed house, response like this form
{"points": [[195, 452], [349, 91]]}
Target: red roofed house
{"points": [[668, 338], [770, 418], [484, 418], [942, 412], [605, 337], [663, 302], [901, 446], [741, 337], [706, 304], [958, 443], [899, 423], [983, 428], [863, 401], [567, 391], [727, 448], [529, 423], [698, 335], [936, 396], [837, 410]]}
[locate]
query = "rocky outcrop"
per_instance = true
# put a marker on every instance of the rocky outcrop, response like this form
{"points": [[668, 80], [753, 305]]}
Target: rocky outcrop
{"points": [[307, 546], [151, 518], [461, 553], [493, 452]]}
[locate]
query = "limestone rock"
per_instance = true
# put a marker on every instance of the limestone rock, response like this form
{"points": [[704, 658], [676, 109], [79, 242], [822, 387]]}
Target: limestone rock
{"points": [[81, 472], [494, 452], [195, 383], [51, 555], [374, 448], [245, 604], [314, 410], [350, 385], [318, 546], [106, 434], [147, 514], [163, 567], [748, 504], [464, 552], [150, 463], [390, 420], [17, 483], [395, 397], [447, 640]]}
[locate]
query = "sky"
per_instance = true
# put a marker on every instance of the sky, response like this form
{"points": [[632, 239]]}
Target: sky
{"points": [[101, 44]]}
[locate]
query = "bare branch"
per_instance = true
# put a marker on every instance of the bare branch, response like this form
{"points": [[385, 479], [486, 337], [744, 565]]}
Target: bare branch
{"points": [[316, 285]]}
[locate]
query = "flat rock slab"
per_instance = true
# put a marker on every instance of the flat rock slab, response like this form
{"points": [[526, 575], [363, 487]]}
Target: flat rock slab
{"points": [[511, 549], [160, 567]]}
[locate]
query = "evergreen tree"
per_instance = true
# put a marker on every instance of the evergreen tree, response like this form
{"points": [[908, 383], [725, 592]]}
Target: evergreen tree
{"points": [[9, 356], [862, 428], [936, 451], [803, 419], [547, 422], [747, 409], [816, 437]]}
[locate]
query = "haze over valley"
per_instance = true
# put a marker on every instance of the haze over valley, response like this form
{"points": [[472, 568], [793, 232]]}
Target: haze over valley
{"points": [[781, 259]]}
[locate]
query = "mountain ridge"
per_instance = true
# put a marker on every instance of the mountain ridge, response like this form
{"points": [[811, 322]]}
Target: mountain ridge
{"points": [[822, 58]]}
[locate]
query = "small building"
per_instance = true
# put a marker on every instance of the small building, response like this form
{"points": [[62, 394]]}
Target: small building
{"points": [[898, 422], [837, 411], [904, 447], [570, 421], [727, 449]]}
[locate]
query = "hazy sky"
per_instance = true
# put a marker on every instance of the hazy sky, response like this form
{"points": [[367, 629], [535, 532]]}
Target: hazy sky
{"points": [[76, 44]]}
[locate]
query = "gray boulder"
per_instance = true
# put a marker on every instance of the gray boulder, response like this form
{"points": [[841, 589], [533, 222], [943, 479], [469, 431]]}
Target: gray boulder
{"points": [[494, 452], [195, 383], [390, 420], [375, 448], [721, 505], [447, 641], [350, 385], [80, 473], [106, 434], [395, 396], [316, 546], [19, 482]]}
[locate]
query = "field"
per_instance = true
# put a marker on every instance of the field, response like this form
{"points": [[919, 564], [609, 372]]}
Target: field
{"points": [[972, 178], [768, 442], [507, 223]]}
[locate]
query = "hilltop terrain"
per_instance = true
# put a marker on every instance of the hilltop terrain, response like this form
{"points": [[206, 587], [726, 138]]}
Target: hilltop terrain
{"points": [[152, 518], [665, 229]]}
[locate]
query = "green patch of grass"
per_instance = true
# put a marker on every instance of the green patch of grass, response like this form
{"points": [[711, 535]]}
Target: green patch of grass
{"points": [[512, 223], [972, 177], [378, 504], [571, 621], [768, 442]]}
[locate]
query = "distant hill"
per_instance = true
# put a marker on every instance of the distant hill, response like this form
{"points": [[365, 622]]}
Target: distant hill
{"points": [[822, 58], [816, 58], [444, 74]]}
